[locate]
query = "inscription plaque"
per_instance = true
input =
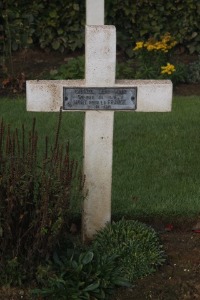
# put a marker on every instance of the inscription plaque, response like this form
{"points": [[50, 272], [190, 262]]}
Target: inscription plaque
{"points": [[86, 98]]}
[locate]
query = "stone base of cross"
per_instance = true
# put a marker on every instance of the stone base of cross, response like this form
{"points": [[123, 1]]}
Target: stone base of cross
{"points": [[100, 64]]}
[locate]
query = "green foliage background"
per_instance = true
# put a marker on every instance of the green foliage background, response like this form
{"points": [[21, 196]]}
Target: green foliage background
{"points": [[139, 19], [59, 25]]}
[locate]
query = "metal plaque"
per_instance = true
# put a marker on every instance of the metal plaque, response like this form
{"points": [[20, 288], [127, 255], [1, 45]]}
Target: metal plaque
{"points": [[117, 98]]}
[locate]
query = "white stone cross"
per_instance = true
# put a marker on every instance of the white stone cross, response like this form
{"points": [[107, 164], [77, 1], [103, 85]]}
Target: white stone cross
{"points": [[100, 63]]}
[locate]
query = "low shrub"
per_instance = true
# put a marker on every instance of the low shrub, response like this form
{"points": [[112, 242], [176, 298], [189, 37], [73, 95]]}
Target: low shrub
{"points": [[137, 246]]}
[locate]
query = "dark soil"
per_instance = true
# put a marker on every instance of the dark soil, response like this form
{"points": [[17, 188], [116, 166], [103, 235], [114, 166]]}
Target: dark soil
{"points": [[187, 89], [179, 278]]}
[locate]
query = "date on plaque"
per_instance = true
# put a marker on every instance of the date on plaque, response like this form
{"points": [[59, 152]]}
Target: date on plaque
{"points": [[82, 98]]}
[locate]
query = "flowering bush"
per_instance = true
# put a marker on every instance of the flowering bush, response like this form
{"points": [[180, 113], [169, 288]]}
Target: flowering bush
{"points": [[153, 58]]}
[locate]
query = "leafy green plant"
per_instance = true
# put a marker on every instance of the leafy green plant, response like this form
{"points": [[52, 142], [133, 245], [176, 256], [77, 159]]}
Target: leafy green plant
{"points": [[35, 197], [54, 25], [81, 275], [137, 246], [60, 26], [73, 69]]}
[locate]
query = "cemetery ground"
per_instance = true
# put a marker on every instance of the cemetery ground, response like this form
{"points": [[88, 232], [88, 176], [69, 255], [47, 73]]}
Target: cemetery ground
{"points": [[155, 178]]}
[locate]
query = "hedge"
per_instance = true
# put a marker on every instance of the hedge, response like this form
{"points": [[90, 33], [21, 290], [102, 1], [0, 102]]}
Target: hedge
{"points": [[59, 25]]}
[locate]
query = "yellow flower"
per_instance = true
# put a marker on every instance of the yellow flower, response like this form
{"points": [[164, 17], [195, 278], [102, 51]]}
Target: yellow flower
{"points": [[150, 47], [165, 44], [168, 69], [139, 45]]}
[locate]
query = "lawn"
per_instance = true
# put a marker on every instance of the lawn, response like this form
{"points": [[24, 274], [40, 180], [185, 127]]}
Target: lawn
{"points": [[155, 160]]}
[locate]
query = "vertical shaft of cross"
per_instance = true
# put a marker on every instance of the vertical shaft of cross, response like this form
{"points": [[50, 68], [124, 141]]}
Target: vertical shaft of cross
{"points": [[95, 12], [100, 52]]}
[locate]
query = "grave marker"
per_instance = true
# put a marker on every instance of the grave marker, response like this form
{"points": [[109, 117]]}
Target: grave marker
{"points": [[99, 95]]}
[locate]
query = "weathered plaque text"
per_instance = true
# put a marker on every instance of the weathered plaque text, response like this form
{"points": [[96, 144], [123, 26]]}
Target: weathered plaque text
{"points": [[82, 98]]}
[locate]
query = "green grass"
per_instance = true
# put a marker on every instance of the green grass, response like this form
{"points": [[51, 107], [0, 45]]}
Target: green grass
{"points": [[156, 161], [14, 112]]}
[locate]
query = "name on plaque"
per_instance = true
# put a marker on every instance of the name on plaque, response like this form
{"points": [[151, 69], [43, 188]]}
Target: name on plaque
{"points": [[82, 98]]}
